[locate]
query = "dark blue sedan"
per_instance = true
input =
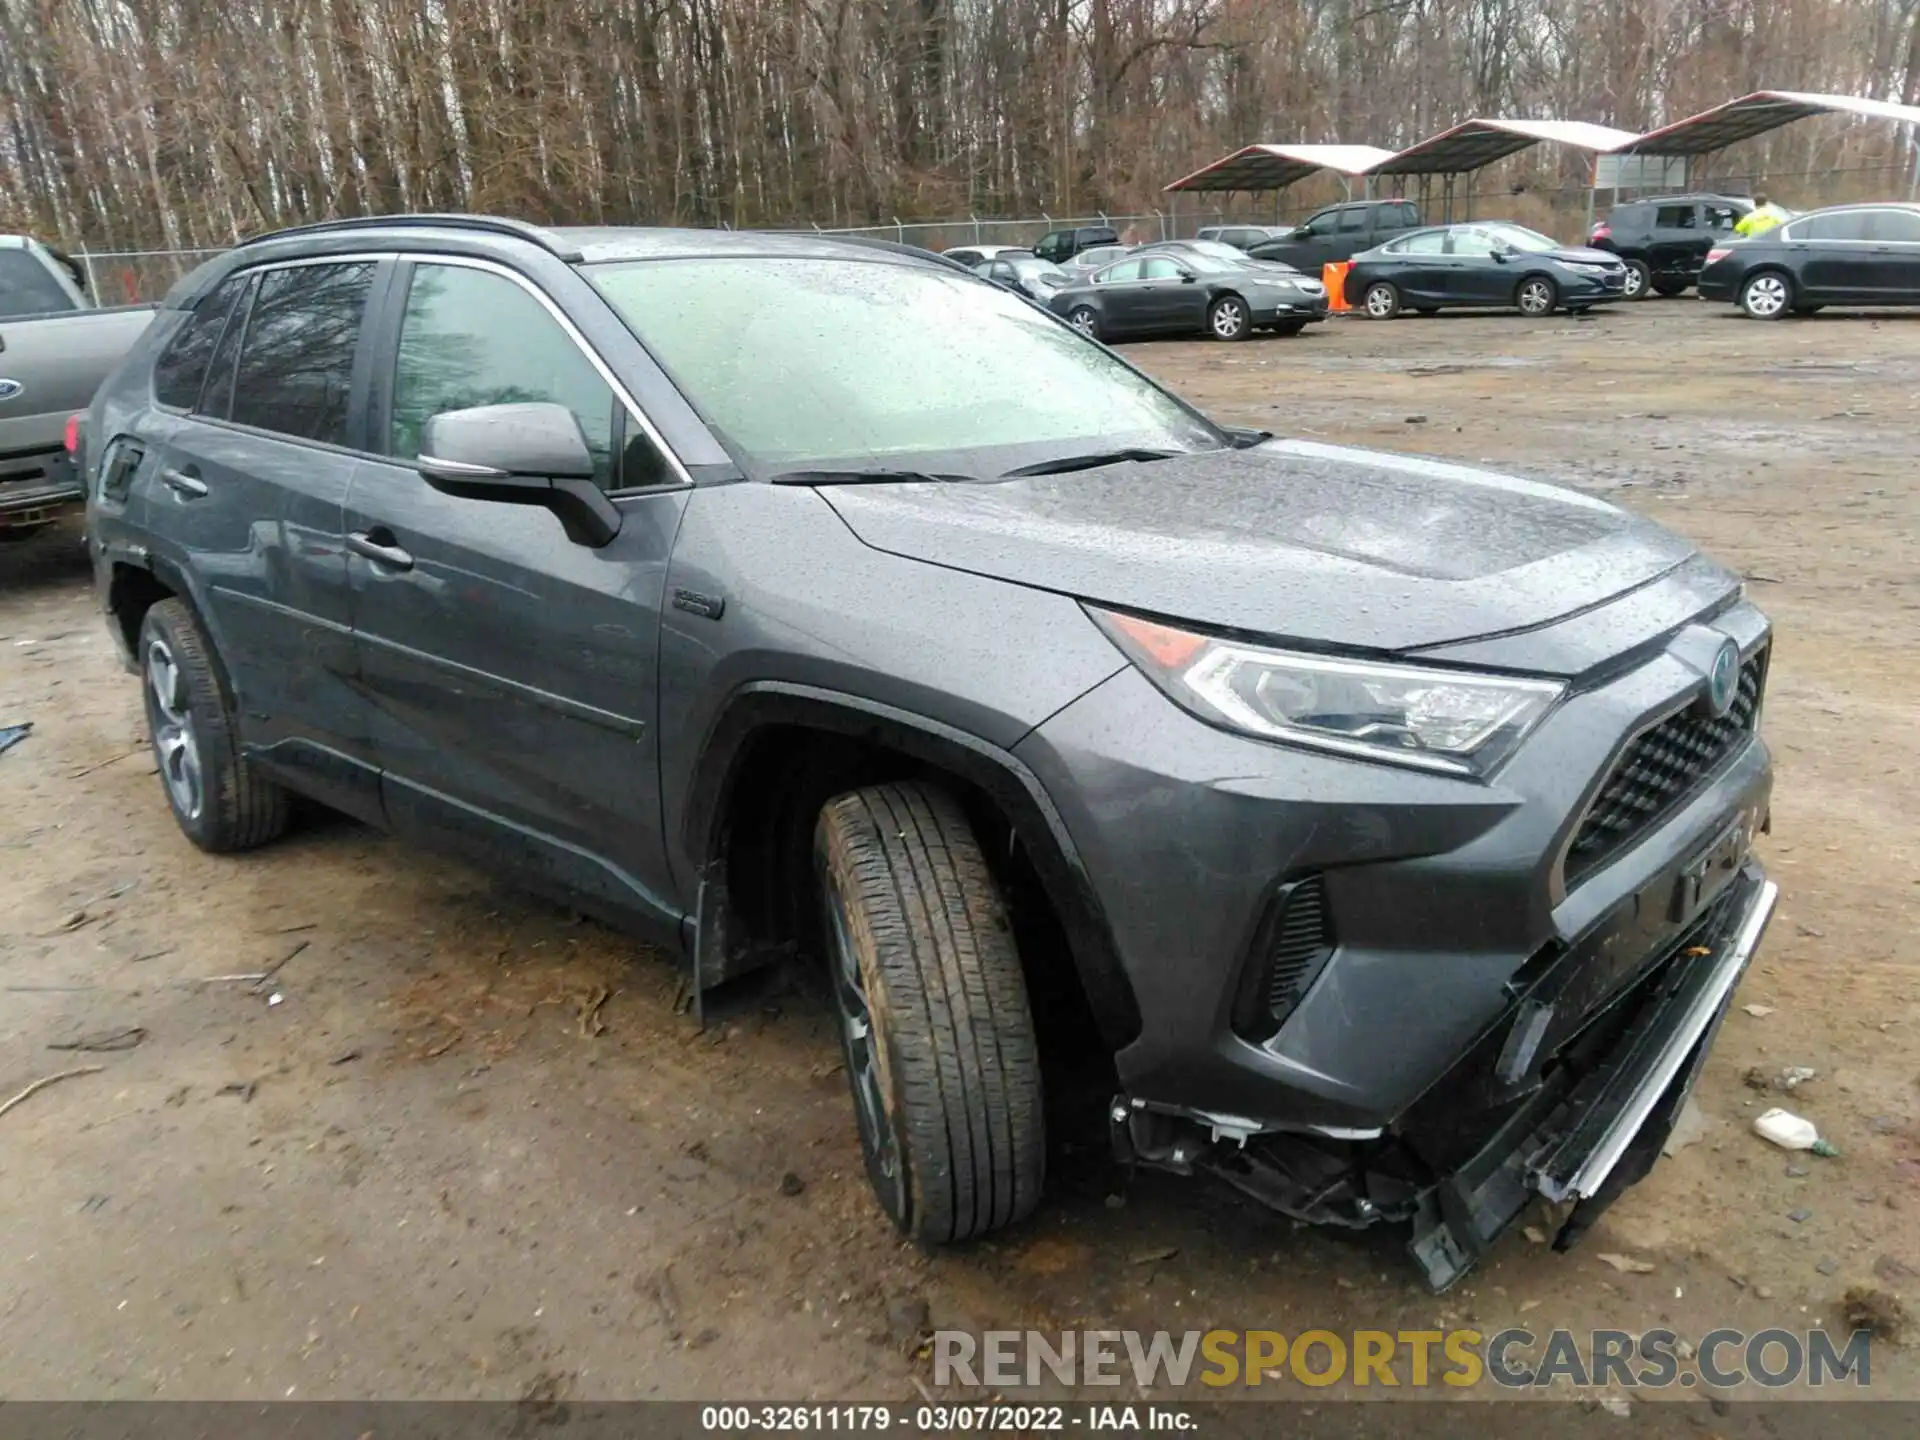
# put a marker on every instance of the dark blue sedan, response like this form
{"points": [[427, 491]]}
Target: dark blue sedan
{"points": [[1484, 264]]}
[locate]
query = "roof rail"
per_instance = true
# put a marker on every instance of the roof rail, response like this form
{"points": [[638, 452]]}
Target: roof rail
{"points": [[491, 224]]}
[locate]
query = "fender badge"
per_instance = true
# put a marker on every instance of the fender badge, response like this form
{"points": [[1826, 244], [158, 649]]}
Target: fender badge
{"points": [[10, 388]]}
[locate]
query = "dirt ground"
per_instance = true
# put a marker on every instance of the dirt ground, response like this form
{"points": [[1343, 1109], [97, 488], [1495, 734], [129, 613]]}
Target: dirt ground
{"points": [[462, 1145]]}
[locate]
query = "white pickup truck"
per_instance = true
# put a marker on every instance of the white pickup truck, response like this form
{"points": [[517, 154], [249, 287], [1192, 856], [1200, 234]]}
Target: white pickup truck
{"points": [[55, 349]]}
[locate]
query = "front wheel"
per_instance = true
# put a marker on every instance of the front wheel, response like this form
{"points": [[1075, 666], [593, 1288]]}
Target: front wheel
{"points": [[1229, 319], [1086, 321], [1382, 301], [935, 1027], [218, 800], [1536, 296], [1766, 296], [1639, 280]]}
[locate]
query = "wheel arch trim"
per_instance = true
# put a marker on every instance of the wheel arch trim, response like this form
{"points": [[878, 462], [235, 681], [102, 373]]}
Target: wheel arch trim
{"points": [[761, 705]]}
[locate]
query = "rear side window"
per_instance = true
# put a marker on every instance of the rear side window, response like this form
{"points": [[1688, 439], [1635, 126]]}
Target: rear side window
{"points": [[182, 367], [1125, 270], [1427, 242], [471, 338], [1676, 217], [29, 288], [1894, 225], [1159, 268], [296, 363], [1846, 225]]}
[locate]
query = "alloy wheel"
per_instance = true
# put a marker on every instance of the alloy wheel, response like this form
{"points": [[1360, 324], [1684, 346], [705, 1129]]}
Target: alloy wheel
{"points": [[1765, 296], [1536, 297], [174, 742], [1636, 283], [1086, 322], [860, 1048], [1380, 302], [1229, 319]]}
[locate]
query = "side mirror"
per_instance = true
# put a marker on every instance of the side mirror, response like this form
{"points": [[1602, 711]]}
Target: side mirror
{"points": [[1500, 257], [525, 454], [1187, 277]]}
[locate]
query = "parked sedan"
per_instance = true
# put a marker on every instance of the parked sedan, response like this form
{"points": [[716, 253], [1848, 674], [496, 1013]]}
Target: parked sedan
{"points": [[1165, 294], [1217, 250], [1484, 264], [1848, 255], [1098, 258], [1024, 273], [972, 255]]}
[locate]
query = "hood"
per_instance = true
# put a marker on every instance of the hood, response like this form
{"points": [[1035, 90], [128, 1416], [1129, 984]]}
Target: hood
{"points": [[1291, 540], [1586, 255]]}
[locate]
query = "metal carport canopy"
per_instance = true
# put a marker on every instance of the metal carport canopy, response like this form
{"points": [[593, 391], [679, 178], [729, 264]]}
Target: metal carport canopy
{"points": [[1275, 167], [1474, 143], [1756, 114]]}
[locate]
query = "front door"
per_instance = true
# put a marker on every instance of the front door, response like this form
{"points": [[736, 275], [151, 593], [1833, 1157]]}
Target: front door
{"points": [[1169, 301], [255, 478], [512, 673], [1474, 276]]}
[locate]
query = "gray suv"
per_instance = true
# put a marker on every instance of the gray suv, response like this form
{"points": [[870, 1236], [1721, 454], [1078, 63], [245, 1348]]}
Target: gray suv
{"points": [[793, 599]]}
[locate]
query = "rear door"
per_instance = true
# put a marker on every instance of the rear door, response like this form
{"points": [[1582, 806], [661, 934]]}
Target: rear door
{"points": [[1836, 264], [512, 673], [1679, 242], [1894, 235], [249, 497], [1420, 266], [1126, 308]]}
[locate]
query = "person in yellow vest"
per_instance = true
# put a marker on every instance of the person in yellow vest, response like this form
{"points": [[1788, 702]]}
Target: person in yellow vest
{"points": [[1762, 218]]}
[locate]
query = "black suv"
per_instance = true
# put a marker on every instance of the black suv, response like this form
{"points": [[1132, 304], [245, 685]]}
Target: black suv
{"points": [[1060, 246], [789, 598], [1665, 239], [1339, 233]]}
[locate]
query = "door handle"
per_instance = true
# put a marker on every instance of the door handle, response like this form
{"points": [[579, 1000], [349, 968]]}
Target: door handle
{"points": [[184, 483], [378, 546]]}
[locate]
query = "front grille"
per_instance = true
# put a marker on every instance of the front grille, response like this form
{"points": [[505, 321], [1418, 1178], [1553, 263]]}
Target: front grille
{"points": [[1660, 768], [1292, 944]]}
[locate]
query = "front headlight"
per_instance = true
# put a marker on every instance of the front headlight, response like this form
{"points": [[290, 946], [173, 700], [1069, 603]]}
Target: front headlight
{"points": [[1452, 720], [1586, 267]]}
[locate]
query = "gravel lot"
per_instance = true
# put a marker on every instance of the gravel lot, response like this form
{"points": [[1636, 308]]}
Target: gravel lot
{"points": [[477, 1151]]}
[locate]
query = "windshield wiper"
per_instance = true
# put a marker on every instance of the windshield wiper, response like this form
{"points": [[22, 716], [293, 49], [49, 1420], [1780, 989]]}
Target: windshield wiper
{"points": [[1093, 461], [864, 477]]}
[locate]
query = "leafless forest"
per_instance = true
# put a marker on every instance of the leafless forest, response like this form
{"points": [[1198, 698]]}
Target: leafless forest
{"points": [[187, 122]]}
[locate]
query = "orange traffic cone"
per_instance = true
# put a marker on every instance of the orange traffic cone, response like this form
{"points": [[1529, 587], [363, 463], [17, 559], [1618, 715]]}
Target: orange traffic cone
{"points": [[1334, 277]]}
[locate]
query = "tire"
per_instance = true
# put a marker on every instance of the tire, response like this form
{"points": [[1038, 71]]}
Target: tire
{"points": [[1667, 289], [220, 803], [1766, 295], [1536, 296], [1639, 281], [1381, 300], [935, 1027], [1086, 320], [1289, 327], [1228, 318]]}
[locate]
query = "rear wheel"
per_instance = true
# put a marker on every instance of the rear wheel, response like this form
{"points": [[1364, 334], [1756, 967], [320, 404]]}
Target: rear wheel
{"points": [[1086, 321], [935, 1026], [1536, 296], [1229, 319], [1766, 296], [1382, 300], [218, 800], [1638, 281]]}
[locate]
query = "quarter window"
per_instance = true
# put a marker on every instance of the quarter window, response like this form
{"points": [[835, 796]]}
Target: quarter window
{"points": [[295, 374], [182, 367], [470, 337]]}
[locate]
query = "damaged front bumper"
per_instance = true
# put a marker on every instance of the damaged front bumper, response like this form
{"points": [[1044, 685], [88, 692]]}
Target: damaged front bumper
{"points": [[1572, 1110]]}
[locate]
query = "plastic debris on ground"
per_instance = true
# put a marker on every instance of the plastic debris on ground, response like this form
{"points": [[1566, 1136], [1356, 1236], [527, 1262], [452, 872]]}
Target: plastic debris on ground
{"points": [[12, 735], [1791, 1132]]}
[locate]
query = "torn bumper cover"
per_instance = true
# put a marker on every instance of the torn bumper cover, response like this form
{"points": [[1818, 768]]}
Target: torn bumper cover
{"points": [[1595, 1121]]}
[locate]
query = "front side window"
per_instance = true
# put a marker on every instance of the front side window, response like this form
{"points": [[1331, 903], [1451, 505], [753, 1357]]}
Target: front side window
{"points": [[295, 374], [28, 287], [182, 367], [1352, 220], [825, 362], [1721, 218], [471, 337]]}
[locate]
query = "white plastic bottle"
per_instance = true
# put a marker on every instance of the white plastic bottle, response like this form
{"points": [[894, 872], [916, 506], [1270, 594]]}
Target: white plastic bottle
{"points": [[1790, 1132]]}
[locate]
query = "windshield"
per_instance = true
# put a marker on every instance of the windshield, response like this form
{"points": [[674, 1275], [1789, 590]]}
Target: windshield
{"points": [[1518, 237], [800, 362]]}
